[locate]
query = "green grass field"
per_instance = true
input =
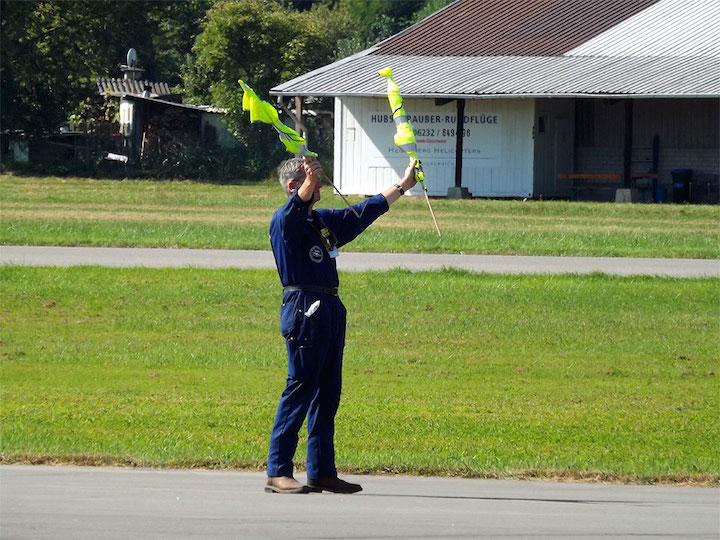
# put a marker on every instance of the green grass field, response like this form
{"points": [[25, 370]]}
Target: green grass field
{"points": [[85, 212], [445, 372]]}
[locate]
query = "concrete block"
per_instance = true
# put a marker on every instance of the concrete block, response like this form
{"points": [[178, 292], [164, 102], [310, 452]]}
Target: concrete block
{"points": [[625, 195], [458, 193]]}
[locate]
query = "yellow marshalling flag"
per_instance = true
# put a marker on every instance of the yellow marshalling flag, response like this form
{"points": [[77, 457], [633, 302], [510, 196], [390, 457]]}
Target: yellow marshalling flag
{"points": [[262, 111]]}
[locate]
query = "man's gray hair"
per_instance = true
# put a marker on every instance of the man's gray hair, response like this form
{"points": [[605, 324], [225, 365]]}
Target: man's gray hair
{"points": [[289, 170]]}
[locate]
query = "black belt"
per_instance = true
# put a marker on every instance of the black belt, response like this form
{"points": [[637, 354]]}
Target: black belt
{"points": [[332, 291]]}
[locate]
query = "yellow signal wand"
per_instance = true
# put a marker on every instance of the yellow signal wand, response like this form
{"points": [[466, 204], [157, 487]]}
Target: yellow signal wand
{"points": [[405, 136]]}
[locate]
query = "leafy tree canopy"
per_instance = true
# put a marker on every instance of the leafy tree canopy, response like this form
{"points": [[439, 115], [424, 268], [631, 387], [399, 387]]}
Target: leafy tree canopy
{"points": [[52, 51], [264, 43]]}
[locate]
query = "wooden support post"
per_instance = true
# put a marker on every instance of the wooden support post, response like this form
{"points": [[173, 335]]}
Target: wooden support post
{"points": [[457, 191], [298, 117]]}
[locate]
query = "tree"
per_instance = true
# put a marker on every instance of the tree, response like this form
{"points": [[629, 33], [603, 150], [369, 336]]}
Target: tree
{"points": [[376, 20], [177, 25], [52, 51], [430, 7], [264, 43]]}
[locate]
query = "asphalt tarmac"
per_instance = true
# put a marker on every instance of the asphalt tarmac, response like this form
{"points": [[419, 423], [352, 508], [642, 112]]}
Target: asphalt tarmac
{"points": [[354, 261], [108, 503]]}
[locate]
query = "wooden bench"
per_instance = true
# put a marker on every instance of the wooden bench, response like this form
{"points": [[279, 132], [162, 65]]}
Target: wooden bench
{"points": [[606, 181]]}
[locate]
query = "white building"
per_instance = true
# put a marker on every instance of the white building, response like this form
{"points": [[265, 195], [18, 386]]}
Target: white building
{"points": [[557, 98]]}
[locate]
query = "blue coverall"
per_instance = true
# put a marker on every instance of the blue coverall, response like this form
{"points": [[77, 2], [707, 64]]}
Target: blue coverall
{"points": [[314, 336]]}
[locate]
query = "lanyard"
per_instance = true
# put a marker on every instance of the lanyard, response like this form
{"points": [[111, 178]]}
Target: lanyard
{"points": [[327, 237]]}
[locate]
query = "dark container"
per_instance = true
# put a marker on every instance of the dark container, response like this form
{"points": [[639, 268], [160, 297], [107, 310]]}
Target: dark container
{"points": [[681, 180]]}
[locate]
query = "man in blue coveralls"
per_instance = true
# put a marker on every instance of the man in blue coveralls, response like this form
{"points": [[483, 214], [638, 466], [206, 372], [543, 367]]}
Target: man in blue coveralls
{"points": [[312, 321]]}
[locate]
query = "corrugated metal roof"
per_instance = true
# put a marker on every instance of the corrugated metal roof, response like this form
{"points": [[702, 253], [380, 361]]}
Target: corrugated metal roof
{"points": [[511, 27], [505, 76], [668, 28], [670, 49], [117, 87]]}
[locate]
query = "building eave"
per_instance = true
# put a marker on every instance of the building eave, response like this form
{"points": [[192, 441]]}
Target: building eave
{"points": [[502, 96], [470, 77]]}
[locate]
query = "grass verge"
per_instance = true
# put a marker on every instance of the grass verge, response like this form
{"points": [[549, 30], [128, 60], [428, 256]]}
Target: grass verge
{"points": [[571, 377], [85, 212]]}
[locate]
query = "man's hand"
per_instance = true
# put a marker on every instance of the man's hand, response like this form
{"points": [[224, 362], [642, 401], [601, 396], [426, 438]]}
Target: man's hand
{"points": [[408, 180], [392, 194], [310, 188], [313, 169]]}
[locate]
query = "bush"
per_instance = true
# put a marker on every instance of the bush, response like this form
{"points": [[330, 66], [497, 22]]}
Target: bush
{"points": [[195, 161]]}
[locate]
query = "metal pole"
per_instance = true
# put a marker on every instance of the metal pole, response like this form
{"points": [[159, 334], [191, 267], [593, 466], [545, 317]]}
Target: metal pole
{"points": [[627, 146], [460, 128]]}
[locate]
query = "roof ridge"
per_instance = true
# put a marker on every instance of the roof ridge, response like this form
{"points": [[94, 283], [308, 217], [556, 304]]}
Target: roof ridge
{"points": [[492, 27], [433, 14]]}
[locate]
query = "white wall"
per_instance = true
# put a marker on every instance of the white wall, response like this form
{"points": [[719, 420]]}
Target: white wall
{"points": [[497, 149], [127, 114]]}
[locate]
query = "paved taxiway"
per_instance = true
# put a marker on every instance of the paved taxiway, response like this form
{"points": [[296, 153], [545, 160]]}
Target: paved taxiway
{"points": [[109, 503]]}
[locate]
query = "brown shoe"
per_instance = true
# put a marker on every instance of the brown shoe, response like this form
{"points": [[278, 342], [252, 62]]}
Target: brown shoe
{"points": [[285, 484], [333, 485]]}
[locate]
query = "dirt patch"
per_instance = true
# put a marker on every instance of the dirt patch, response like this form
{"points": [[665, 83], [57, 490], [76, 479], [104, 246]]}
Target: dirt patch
{"points": [[602, 477]]}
